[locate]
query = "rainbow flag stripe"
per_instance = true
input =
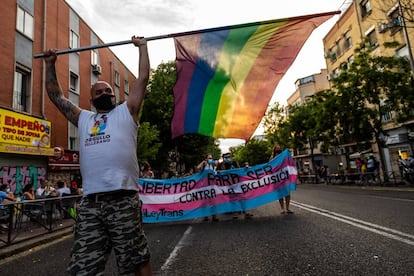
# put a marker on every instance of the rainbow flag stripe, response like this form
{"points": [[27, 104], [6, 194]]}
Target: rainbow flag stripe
{"points": [[227, 77]]}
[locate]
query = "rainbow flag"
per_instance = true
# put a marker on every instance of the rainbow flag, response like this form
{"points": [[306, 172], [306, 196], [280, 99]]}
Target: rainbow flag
{"points": [[227, 75]]}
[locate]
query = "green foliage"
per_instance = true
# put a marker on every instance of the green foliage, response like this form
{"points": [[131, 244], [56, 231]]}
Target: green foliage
{"points": [[370, 88], [148, 142], [254, 151]]}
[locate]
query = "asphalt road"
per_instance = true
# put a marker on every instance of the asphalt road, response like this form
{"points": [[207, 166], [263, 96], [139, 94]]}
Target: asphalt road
{"points": [[334, 231]]}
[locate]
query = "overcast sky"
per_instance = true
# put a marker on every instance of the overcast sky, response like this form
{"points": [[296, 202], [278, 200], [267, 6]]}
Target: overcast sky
{"points": [[118, 20]]}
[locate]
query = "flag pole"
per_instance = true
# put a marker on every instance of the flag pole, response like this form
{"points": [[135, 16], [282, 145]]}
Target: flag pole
{"points": [[124, 42]]}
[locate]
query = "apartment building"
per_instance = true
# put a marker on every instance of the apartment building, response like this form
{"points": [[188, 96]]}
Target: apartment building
{"points": [[306, 88], [30, 125], [380, 21]]}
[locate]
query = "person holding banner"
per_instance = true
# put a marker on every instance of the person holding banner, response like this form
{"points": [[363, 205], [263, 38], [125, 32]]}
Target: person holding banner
{"points": [[208, 163], [109, 213], [284, 202], [228, 164]]}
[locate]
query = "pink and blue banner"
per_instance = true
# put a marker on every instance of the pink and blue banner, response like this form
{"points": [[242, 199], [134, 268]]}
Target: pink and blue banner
{"points": [[209, 192]]}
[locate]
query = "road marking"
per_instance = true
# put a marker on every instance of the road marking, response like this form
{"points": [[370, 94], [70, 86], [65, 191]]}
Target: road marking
{"points": [[378, 229], [396, 199], [174, 253]]}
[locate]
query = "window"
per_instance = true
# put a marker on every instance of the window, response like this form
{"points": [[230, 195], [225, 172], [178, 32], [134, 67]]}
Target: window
{"points": [[402, 52], [94, 57], [117, 78], [332, 55], [73, 83], [395, 21], [21, 90], [335, 72], [373, 41], [348, 40], [386, 115], [351, 60], [126, 86], [344, 66], [339, 50], [306, 80], [24, 22], [365, 8], [74, 39]]}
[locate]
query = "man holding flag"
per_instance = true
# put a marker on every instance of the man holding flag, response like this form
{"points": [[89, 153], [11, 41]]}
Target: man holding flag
{"points": [[109, 214]]}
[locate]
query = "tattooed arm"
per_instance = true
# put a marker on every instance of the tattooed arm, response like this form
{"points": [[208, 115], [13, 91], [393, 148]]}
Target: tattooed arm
{"points": [[139, 87], [68, 109]]}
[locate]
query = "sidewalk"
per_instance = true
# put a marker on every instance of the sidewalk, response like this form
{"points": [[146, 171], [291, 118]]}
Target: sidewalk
{"points": [[34, 237]]}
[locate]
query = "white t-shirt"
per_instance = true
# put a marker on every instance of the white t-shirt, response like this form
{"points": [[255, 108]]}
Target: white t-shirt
{"points": [[42, 191], [64, 190], [108, 151]]}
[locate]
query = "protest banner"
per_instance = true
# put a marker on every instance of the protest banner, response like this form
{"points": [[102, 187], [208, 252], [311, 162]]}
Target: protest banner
{"points": [[210, 192]]}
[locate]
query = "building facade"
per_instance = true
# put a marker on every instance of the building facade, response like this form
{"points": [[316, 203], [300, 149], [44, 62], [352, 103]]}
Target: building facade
{"points": [[380, 21], [30, 125], [306, 88]]}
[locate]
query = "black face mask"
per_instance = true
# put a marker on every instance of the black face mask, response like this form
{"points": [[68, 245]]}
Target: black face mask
{"points": [[104, 102]]}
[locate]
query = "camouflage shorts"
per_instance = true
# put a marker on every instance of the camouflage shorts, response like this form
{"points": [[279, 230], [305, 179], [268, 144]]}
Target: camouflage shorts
{"points": [[103, 226]]}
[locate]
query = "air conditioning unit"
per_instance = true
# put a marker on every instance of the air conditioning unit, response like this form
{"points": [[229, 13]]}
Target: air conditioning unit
{"points": [[96, 69], [383, 27]]}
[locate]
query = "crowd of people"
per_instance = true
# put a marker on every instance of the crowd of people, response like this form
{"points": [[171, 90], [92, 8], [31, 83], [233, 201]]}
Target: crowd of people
{"points": [[44, 190]]}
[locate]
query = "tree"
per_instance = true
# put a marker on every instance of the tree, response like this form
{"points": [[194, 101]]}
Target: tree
{"points": [[369, 89], [254, 151], [148, 142], [158, 108], [273, 122]]}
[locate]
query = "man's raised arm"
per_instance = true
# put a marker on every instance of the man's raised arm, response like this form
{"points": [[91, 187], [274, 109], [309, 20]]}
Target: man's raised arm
{"points": [[68, 109], [140, 85]]}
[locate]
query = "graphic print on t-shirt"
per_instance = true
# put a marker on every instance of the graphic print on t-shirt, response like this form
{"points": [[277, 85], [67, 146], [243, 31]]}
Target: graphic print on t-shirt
{"points": [[97, 133]]}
